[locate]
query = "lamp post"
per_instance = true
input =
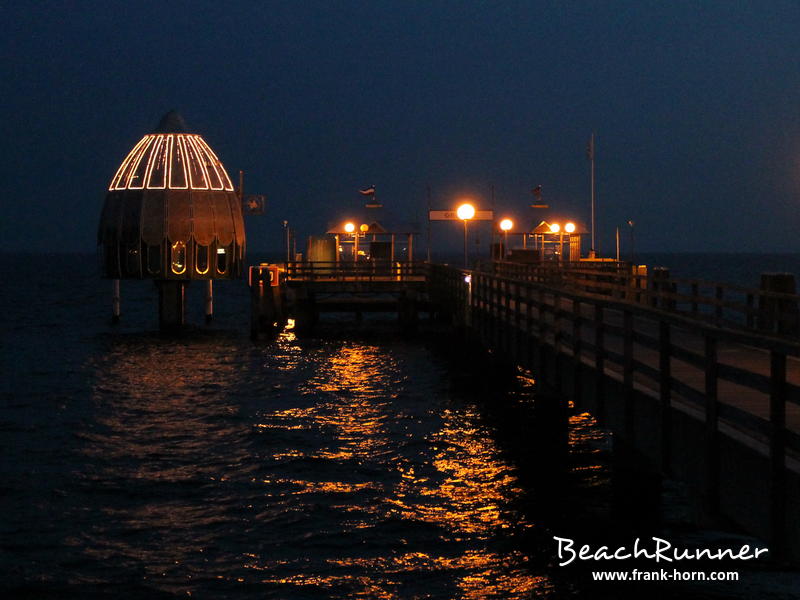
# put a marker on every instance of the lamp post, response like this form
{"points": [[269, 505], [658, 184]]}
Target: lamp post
{"points": [[351, 228], [556, 228], [505, 226], [465, 212], [286, 230], [570, 228], [632, 223]]}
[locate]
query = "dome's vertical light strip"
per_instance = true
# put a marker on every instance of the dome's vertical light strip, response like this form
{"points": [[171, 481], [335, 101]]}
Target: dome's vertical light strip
{"points": [[151, 160], [159, 155], [199, 158], [125, 164], [135, 166], [209, 159], [229, 186], [179, 152]]}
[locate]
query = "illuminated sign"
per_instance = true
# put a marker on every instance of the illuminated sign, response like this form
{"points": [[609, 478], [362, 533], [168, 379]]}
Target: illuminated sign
{"points": [[450, 215]]}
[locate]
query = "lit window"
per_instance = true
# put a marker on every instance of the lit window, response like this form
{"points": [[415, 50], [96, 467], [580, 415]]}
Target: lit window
{"points": [[201, 262], [222, 260], [178, 258]]}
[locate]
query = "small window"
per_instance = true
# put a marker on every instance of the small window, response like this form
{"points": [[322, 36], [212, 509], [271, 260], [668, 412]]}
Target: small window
{"points": [[222, 260], [178, 258], [154, 260], [134, 264], [201, 260]]}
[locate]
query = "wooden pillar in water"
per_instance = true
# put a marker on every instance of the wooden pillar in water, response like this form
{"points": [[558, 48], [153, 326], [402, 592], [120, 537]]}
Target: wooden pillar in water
{"points": [[116, 302], [171, 304], [209, 304], [267, 312]]}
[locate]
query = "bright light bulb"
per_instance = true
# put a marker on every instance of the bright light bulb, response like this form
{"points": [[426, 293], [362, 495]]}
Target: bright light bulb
{"points": [[569, 227], [555, 228], [506, 224], [349, 227], [465, 212]]}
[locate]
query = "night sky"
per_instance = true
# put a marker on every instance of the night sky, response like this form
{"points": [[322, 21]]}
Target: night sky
{"points": [[695, 105]]}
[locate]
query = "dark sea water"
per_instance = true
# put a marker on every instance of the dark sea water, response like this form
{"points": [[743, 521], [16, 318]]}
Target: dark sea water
{"points": [[353, 464]]}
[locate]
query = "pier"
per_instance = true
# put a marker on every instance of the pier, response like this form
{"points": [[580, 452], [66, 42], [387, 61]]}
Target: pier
{"points": [[700, 381]]}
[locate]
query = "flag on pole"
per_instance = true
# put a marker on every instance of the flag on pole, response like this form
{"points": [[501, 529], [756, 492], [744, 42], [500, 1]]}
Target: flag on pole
{"points": [[370, 191], [254, 205], [537, 192], [590, 148]]}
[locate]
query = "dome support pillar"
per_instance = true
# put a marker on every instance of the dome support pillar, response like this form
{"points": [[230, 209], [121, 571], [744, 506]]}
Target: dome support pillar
{"points": [[171, 304], [209, 300], [115, 302]]}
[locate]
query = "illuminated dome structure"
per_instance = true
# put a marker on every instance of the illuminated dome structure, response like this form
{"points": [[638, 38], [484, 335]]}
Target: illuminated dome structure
{"points": [[171, 212]]}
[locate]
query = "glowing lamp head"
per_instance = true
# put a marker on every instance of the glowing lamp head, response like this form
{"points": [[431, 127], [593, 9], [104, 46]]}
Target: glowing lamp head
{"points": [[506, 224], [555, 228], [465, 212], [349, 227], [569, 227], [363, 228]]}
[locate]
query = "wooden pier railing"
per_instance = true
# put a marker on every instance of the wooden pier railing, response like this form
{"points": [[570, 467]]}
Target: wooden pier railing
{"points": [[365, 271], [704, 393], [722, 304]]}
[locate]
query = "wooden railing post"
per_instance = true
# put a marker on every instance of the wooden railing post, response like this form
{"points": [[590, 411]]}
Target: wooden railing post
{"points": [[577, 369], [557, 341], [541, 363], [599, 360], [517, 322], [627, 376], [665, 392], [777, 453], [712, 426], [528, 327]]}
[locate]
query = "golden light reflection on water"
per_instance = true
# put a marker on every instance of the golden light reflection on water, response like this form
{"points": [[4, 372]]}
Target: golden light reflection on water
{"points": [[478, 575], [460, 487], [423, 474]]}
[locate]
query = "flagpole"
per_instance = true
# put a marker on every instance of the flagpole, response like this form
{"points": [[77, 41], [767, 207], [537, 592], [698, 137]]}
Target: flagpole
{"points": [[591, 158], [429, 223]]}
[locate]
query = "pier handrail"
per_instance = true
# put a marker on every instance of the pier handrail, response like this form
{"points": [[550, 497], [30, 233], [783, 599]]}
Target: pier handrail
{"points": [[719, 303], [368, 270]]}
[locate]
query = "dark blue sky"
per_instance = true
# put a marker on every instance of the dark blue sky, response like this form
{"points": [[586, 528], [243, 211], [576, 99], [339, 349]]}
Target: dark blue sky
{"points": [[696, 108]]}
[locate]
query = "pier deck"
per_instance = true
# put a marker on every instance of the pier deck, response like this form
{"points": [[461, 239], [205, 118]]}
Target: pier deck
{"points": [[708, 397]]}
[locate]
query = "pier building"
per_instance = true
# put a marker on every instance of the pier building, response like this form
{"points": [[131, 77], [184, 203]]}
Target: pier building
{"points": [[171, 214]]}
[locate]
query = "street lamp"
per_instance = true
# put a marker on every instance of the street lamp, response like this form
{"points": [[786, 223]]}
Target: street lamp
{"points": [[505, 226], [465, 212], [569, 227]]}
